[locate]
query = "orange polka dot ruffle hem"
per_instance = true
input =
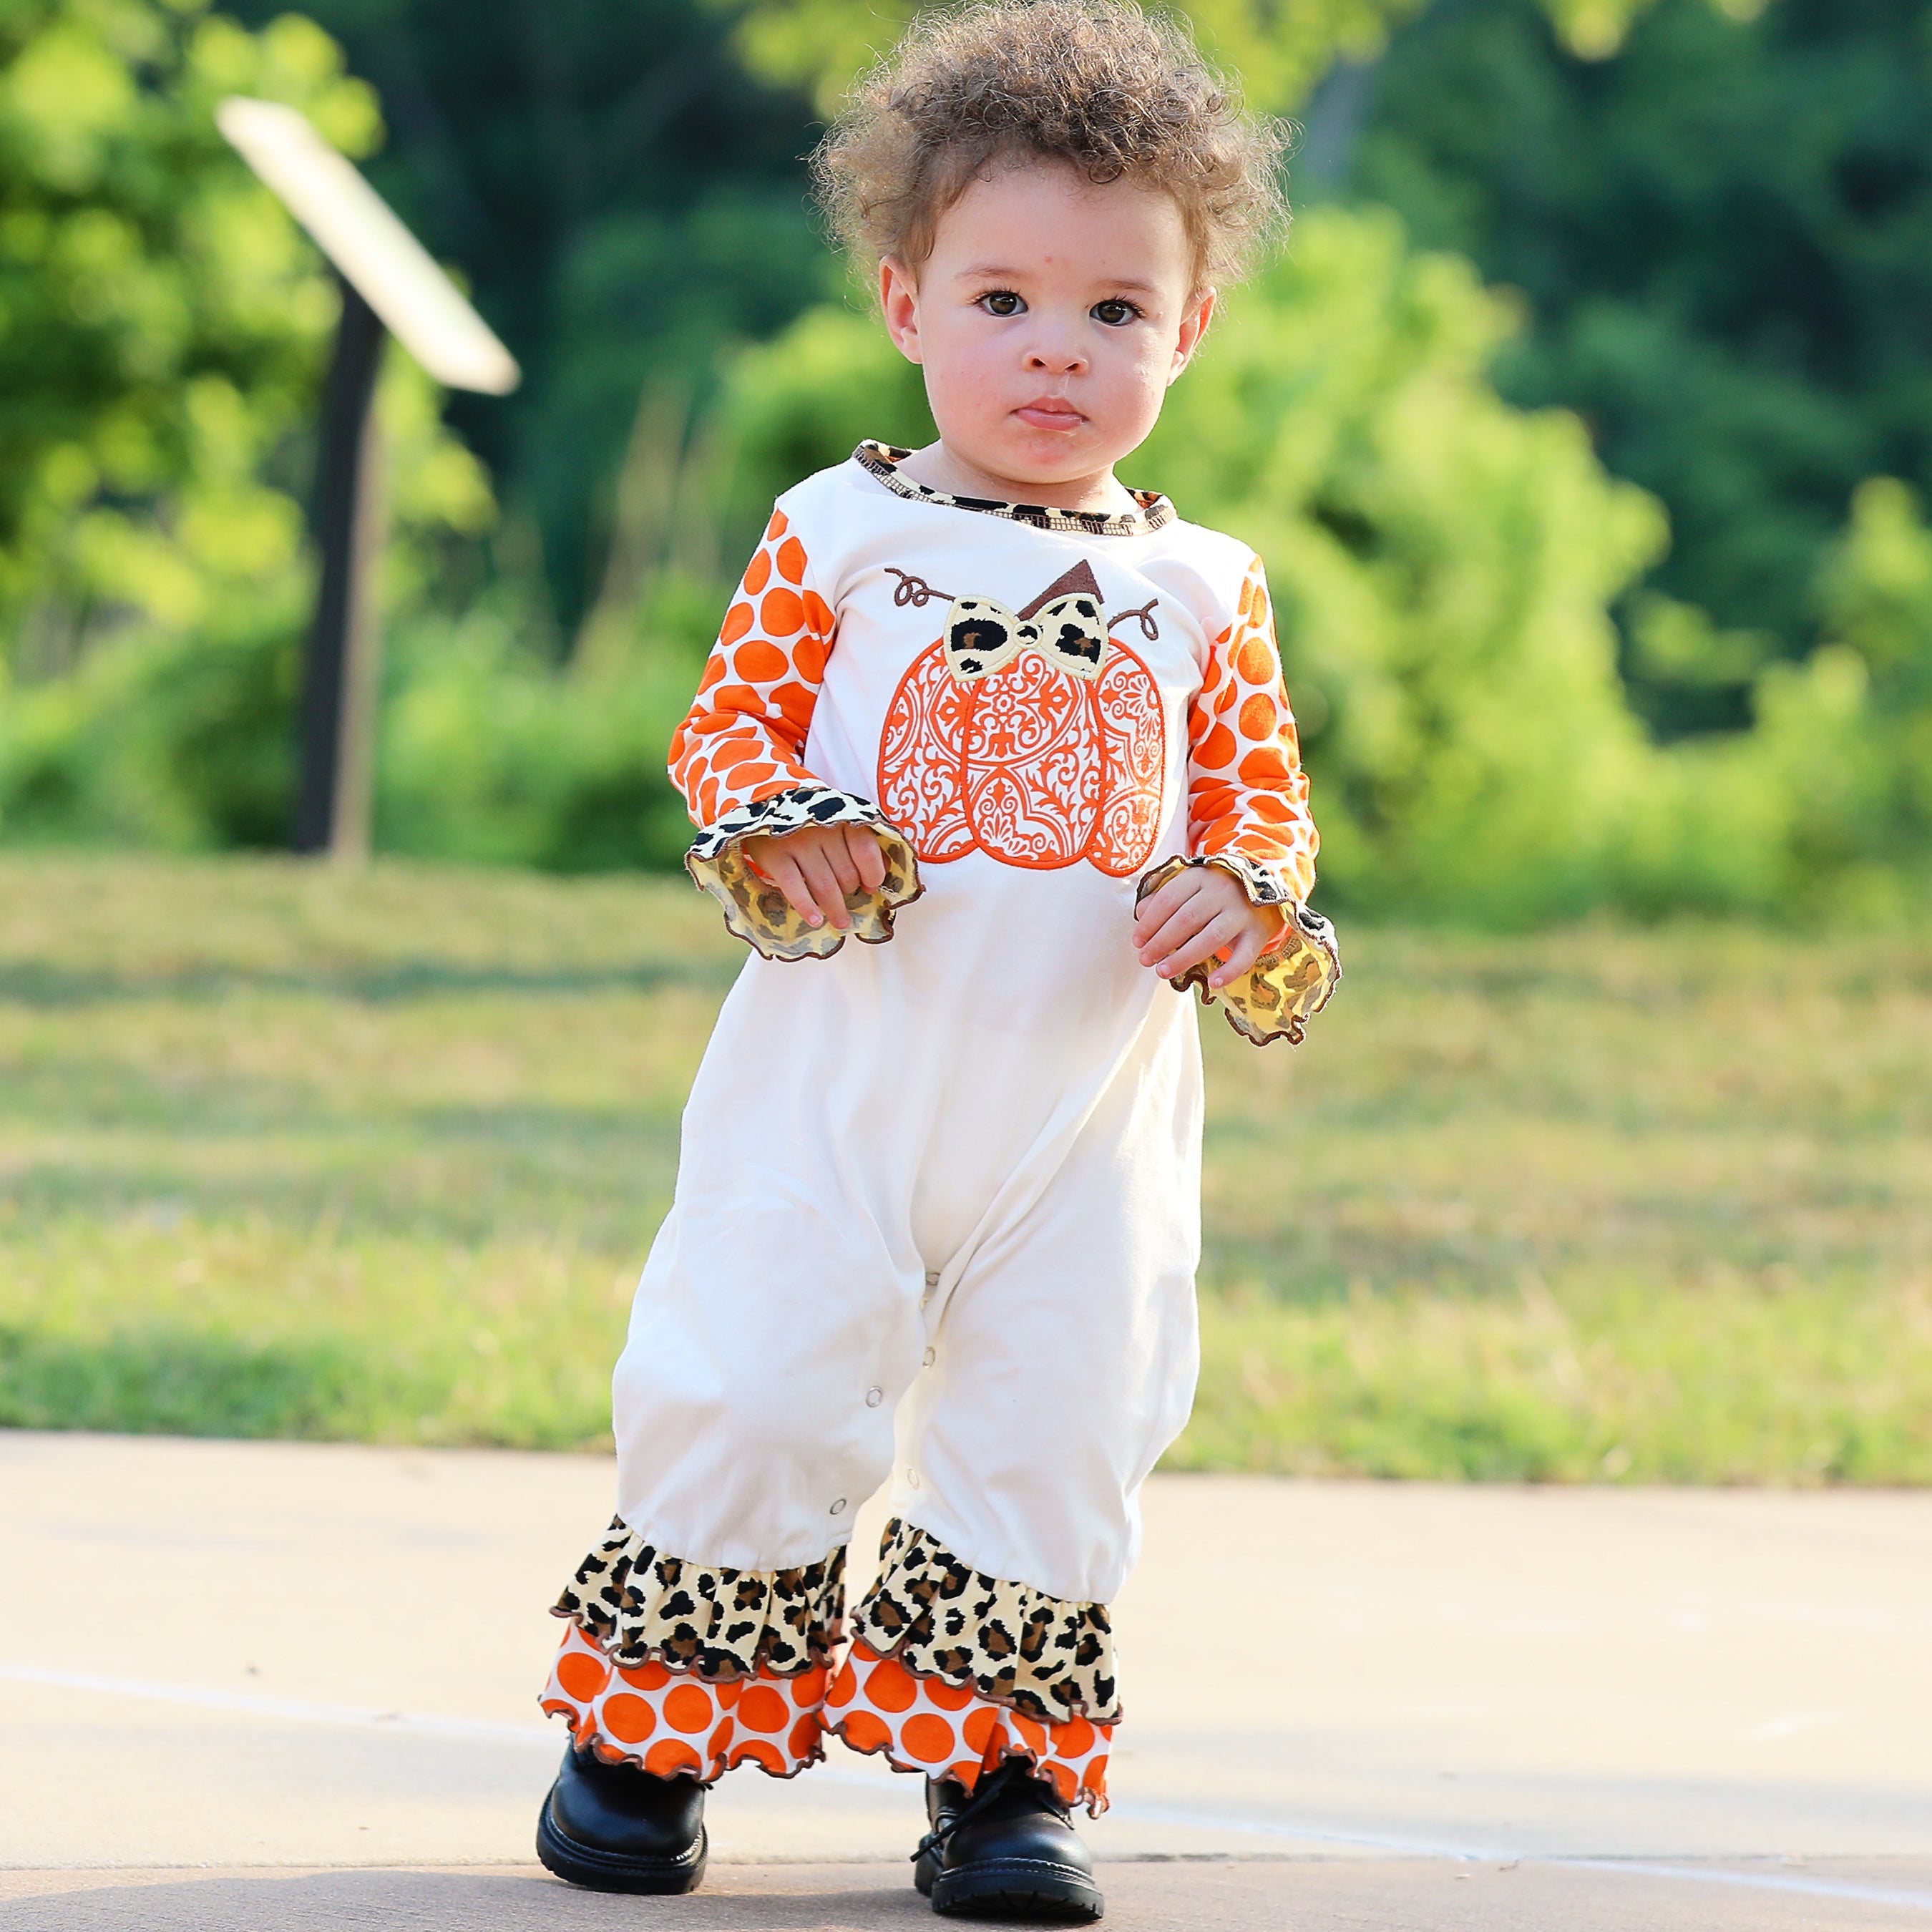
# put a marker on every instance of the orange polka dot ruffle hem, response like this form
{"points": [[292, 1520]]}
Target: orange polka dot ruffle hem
{"points": [[670, 1721], [924, 1724]]}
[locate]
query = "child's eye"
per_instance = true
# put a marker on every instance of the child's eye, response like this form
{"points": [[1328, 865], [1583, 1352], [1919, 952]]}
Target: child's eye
{"points": [[1114, 312], [1002, 302]]}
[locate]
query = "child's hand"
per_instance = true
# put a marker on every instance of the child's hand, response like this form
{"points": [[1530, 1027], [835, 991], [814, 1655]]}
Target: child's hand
{"points": [[1198, 913], [817, 865]]}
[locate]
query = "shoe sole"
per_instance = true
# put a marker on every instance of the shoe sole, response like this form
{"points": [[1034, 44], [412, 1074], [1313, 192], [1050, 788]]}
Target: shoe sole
{"points": [[1018, 1888], [600, 1871]]}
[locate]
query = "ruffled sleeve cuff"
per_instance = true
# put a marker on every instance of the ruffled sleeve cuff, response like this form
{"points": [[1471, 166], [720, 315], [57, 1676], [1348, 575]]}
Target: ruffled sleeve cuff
{"points": [[1290, 982], [759, 913]]}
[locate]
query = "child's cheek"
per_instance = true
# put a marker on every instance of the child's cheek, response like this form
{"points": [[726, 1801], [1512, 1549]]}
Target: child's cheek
{"points": [[1138, 382], [964, 384]]}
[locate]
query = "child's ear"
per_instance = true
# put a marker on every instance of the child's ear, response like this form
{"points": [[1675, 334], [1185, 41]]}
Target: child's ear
{"points": [[898, 300], [1193, 326]]}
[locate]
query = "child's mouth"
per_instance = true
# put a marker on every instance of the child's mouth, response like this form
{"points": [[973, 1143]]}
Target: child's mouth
{"points": [[1049, 412]]}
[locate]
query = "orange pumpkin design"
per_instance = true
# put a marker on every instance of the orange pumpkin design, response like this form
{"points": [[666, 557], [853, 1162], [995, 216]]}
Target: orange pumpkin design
{"points": [[1040, 742]]}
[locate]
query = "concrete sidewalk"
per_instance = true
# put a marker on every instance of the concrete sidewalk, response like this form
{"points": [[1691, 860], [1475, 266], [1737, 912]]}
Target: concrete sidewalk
{"points": [[312, 1671]]}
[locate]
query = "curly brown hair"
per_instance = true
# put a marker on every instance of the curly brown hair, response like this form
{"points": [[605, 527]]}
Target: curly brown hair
{"points": [[1095, 84]]}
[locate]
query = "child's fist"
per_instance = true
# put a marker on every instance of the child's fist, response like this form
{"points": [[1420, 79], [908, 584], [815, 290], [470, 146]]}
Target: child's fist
{"points": [[816, 866], [1198, 913]]}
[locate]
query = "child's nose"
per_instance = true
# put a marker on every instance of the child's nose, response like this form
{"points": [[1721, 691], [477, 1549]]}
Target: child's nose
{"points": [[1057, 358]]}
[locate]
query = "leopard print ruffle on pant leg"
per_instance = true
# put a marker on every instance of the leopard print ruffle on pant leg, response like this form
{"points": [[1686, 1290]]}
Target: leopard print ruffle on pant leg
{"points": [[1045, 1657], [637, 1604]]}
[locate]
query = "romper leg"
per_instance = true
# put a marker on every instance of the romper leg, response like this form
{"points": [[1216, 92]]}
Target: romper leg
{"points": [[1062, 1363], [778, 1308]]}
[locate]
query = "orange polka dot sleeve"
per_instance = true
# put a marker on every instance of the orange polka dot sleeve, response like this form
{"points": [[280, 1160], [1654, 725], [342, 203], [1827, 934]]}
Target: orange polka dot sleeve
{"points": [[1247, 813], [739, 759], [1247, 795]]}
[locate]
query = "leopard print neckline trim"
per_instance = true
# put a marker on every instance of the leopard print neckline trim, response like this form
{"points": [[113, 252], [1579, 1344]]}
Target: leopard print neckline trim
{"points": [[882, 460]]}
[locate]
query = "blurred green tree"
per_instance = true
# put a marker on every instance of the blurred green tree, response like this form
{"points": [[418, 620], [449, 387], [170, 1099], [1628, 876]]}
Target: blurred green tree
{"points": [[1824, 806], [174, 727], [163, 328], [1279, 53], [625, 199], [1442, 567], [1724, 236], [1872, 816], [163, 318]]}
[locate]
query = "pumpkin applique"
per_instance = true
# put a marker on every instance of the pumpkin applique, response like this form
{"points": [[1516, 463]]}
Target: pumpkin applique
{"points": [[1034, 736]]}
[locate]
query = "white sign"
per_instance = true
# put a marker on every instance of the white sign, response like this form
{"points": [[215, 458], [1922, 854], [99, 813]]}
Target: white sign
{"points": [[359, 233]]}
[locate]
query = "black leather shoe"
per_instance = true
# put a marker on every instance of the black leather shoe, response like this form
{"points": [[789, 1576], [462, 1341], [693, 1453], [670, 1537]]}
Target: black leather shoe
{"points": [[617, 1829], [1008, 1851]]}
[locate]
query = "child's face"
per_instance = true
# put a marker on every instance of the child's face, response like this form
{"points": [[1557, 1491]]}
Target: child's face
{"points": [[1050, 318]]}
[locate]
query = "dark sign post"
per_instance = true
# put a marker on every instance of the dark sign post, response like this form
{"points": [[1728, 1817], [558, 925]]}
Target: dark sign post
{"points": [[342, 666], [389, 286]]}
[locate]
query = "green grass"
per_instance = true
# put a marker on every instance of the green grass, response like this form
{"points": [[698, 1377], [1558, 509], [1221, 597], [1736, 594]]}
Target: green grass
{"points": [[288, 1152]]}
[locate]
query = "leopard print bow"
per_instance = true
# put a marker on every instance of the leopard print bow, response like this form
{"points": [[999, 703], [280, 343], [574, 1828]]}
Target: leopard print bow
{"points": [[982, 635]]}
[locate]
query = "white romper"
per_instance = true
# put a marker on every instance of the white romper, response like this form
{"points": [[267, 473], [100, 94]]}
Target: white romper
{"points": [[937, 1218]]}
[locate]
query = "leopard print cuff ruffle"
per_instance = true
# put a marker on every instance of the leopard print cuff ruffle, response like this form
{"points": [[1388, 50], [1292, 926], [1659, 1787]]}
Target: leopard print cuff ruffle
{"points": [[1046, 1657], [1288, 984], [759, 913], [1262, 884], [722, 1624]]}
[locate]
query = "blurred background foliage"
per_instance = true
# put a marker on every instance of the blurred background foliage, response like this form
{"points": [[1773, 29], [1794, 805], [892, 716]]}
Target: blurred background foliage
{"points": [[1585, 424]]}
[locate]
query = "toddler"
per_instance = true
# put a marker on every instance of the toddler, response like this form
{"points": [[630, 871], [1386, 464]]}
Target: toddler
{"points": [[1020, 733]]}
